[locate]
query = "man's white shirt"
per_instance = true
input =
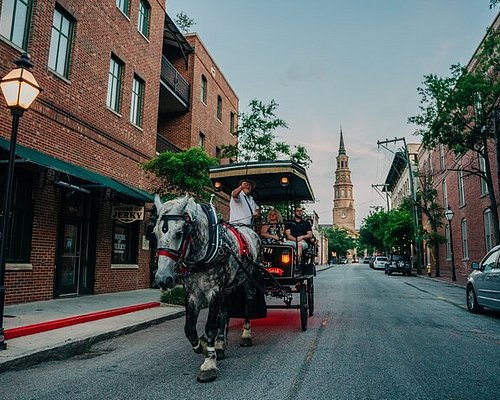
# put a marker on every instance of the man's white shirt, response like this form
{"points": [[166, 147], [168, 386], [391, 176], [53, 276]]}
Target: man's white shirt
{"points": [[242, 209]]}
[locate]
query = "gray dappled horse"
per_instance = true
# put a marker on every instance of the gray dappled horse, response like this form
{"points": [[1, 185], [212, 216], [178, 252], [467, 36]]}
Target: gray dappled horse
{"points": [[215, 259]]}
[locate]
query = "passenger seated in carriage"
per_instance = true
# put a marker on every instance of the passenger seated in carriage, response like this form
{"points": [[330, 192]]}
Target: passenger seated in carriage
{"points": [[273, 231], [298, 232]]}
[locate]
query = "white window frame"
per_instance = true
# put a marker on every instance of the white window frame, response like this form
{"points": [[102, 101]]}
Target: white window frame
{"points": [[144, 16], [115, 83], [442, 157], [448, 241], [444, 188], [15, 21], [123, 6], [204, 89], [137, 101], [60, 42], [488, 229], [482, 168], [461, 187]]}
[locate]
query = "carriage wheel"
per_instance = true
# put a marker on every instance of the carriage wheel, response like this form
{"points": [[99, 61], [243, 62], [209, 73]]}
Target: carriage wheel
{"points": [[310, 296], [303, 306]]}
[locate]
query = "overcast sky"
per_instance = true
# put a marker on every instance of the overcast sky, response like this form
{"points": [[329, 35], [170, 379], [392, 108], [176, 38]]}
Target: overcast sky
{"points": [[331, 63]]}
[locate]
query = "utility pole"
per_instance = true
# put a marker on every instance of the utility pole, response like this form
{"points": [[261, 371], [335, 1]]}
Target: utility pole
{"points": [[413, 195], [384, 188]]}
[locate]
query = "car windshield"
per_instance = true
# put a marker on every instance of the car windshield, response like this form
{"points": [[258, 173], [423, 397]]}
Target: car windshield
{"points": [[381, 259]]}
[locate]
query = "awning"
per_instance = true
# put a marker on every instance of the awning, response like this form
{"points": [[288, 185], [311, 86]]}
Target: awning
{"points": [[95, 179]]}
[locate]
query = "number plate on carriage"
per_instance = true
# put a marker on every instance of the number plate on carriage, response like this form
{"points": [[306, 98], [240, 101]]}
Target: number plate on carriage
{"points": [[278, 260]]}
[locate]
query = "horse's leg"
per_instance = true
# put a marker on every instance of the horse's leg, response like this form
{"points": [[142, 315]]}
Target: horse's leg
{"points": [[192, 313], [223, 325], [208, 370]]}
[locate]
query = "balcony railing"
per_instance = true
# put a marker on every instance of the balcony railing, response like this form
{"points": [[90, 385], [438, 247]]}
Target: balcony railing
{"points": [[163, 145], [174, 80]]}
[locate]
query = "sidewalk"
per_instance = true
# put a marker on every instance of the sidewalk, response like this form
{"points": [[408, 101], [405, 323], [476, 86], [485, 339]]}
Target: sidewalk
{"points": [[63, 327]]}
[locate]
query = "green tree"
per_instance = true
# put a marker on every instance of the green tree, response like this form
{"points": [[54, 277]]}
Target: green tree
{"points": [[459, 111], [339, 241], [184, 22], [493, 3], [429, 206], [186, 171], [257, 137], [371, 234]]}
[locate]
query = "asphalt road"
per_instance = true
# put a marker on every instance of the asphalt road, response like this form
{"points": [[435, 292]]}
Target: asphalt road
{"points": [[372, 337]]}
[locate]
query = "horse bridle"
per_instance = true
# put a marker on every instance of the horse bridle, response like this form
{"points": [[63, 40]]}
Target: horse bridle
{"points": [[187, 229]]}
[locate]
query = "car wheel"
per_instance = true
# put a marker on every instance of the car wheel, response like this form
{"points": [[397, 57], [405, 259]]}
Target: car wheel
{"points": [[472, 304]]}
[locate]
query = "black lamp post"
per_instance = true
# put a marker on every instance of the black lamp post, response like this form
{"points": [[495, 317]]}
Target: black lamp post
{"points": [[449, 214], [20, 89]]}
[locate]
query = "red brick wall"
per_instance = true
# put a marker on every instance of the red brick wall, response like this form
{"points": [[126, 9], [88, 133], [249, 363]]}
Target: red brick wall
{"points": [[70, 121]]}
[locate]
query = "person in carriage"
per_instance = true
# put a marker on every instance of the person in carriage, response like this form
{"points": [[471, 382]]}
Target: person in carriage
{"points": [[243, 210], [273, 231], [299, 233]]}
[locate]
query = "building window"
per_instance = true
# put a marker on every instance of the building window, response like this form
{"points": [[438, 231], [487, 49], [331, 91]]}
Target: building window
{"points": [[123, 6], [60, 42], [461, 187], [232, 123], [465, 243], [431, 167], [113, 100], [482, 168], [15, 21], [488, 230], [445, 194], [218, 153], [21, 222], [448, 243], [201, 141], [137, 103], [442, 161], [144, 17], [219, 108], [125, 243], [204, 85]]}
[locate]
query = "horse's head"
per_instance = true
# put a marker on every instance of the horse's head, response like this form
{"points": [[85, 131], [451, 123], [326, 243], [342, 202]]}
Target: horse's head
{"points": [[173, 234]]}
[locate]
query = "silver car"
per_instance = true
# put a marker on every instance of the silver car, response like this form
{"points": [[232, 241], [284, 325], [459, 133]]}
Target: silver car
{"points": [[379, 262], [483, 283]]}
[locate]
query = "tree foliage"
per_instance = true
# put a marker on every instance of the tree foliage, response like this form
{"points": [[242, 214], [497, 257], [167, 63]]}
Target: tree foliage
{"points": [[183, 22], [459, 111], [387, 231], [494, 3], [257, 137], [186, 171], [339, 241]]}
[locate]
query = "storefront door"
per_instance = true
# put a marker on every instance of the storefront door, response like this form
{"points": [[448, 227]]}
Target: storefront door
{"points": [[74, 269]]}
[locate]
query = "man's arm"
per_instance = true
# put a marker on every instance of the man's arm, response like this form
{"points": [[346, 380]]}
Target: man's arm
{"points": [[235, 194]]}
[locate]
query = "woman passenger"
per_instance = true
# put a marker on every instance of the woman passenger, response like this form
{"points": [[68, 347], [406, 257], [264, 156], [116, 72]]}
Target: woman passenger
{"points": [[273, 231]]}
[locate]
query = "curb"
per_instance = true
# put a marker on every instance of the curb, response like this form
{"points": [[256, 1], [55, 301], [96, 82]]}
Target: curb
{"points": [[80, 346], [78, 319]]}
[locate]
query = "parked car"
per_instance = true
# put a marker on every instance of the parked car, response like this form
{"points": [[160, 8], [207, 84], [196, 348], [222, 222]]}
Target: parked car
{"points": [[379, 262], [366, 260], [343, 260], [398, 263], [355, 260], [483, 283]]}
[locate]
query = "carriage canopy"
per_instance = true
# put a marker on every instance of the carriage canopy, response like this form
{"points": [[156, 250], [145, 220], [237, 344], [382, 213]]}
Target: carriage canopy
{"points": [[276, 181]]}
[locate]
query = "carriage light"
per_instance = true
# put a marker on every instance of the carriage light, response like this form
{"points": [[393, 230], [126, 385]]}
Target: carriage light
{"points": [[217, 186], [284, 181], [285, 257]]}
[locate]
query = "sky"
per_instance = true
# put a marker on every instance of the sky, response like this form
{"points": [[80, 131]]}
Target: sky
{"points": [[338, 63]]}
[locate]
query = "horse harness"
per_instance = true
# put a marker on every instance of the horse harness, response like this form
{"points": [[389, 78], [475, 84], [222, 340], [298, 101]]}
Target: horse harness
{"points": [[218, 247]]}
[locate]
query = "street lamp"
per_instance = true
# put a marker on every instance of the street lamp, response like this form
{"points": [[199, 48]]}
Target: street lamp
{"points": [[20, 89], [449, 214]]}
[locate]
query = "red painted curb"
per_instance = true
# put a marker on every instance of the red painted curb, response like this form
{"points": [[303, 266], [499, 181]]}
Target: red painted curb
{"points": [[78, 319]]}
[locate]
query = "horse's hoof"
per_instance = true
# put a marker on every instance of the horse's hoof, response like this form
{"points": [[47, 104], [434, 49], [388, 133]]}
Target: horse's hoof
{"points": [[207, 375], [246, 342]]}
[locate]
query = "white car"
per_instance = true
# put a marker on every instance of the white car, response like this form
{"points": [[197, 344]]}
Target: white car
{"points": [[379, 262]]}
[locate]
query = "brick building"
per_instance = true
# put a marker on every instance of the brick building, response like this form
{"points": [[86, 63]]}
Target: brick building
{"points": [[112, 97], [467, 196]]}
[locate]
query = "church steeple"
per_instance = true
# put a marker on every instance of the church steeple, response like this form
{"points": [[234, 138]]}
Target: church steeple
{"points": [[343, 199], [341, 146]]}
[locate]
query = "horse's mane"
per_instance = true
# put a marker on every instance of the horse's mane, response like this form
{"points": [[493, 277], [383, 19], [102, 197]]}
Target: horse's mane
{"points": [[180, 205]]}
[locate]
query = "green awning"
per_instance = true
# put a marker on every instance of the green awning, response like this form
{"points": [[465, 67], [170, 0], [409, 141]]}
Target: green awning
{"points": [[44, 160]]}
